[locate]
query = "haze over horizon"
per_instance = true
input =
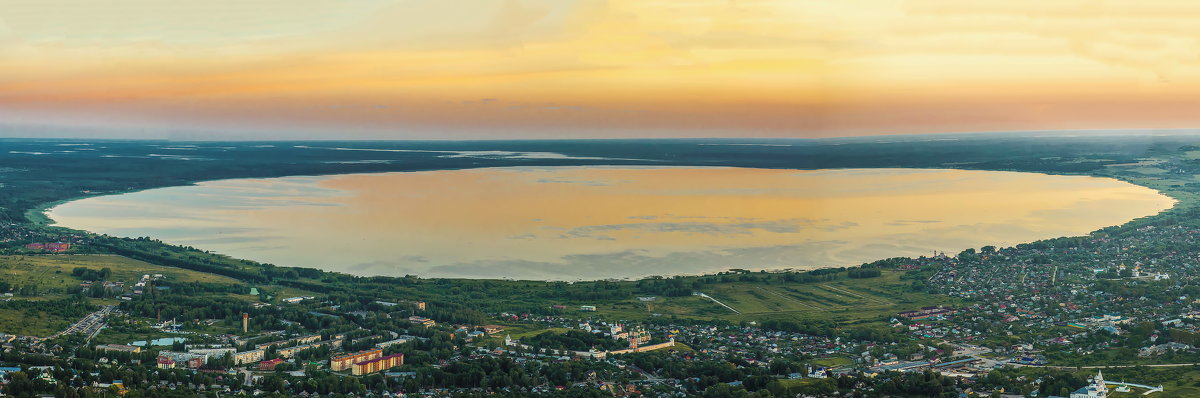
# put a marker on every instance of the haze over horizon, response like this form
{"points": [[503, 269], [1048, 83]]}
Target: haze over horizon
{"points": [[394, 69]]}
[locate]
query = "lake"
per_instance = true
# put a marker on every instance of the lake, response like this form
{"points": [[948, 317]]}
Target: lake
{"points": [[578, 223]]}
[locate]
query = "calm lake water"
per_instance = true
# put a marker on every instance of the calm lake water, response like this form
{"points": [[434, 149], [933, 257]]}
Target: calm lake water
{"points": [[569, 223]]}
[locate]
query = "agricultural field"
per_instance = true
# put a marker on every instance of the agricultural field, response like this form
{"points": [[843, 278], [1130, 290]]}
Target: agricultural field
{"points": [[54, 271], [518, 333], [51, 277], [123, 336], [277, 293], [843, 300], [633, 309], [832, 362], [19, 323]]}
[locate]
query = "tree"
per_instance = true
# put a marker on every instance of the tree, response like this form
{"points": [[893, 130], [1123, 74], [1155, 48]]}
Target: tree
{"points": [[968, 255], [20, 385]]}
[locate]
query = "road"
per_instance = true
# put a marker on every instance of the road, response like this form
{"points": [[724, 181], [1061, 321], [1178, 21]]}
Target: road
{"points": [[1164, 365], [649, 377], [974, 352], [717, 301], [88, 326]]}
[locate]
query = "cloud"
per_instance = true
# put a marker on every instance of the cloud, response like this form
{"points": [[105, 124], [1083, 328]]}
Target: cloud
{"points": [[688, 67]]}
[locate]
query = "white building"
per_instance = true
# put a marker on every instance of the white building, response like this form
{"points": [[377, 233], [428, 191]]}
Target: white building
{"points": [[1094, 389]]}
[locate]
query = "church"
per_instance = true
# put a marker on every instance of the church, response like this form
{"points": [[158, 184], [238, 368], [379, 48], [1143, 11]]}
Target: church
{"points": [[1094, 389]]}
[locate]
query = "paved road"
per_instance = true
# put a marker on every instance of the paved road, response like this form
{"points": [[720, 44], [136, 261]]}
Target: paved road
{"points": [[1165, 365], [974, 352], [649, 377], [89, 325]]}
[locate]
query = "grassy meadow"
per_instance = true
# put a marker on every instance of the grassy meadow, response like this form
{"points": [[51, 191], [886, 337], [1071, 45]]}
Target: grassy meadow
{"points": [[844, 300], [51, 274], [22, 324], [54, 271]]}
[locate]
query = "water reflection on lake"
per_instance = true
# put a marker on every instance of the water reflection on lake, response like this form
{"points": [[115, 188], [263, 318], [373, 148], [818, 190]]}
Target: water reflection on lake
{"points": [[570, 223]]}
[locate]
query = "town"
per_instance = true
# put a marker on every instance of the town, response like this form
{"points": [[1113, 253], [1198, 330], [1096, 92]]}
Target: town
{"points": [[1017, 313], [599, 199], [1109, 313]]}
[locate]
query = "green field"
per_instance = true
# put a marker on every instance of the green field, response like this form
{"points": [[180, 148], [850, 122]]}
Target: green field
{"points": [[520, 333], [843, 300], [54, 271], [18, 323], [112, 336], [52, 276], [832, 362], [1176, 381]]}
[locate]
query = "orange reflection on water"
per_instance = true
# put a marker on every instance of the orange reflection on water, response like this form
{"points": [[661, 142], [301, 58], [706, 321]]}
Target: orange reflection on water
{"points": [[601, 222], [541, 215]]}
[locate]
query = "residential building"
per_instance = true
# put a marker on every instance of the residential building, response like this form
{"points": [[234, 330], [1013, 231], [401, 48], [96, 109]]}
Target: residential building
{"points": [[249, 356], [399, 340], [211, 353], [184, 359], [119, 348], [295, 340], [269, 364], [343, 362], [423, 321], [378, 364]]}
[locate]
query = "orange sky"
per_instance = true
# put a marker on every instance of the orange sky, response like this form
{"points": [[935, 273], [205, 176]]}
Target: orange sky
{"points": [[592, 68]]}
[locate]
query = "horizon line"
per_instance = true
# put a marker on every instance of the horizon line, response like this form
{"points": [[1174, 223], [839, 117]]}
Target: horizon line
{"points": [[955, 134]]}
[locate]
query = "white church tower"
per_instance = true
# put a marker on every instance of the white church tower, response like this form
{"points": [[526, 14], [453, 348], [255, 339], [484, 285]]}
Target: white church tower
{"points": [[1094, 389]]}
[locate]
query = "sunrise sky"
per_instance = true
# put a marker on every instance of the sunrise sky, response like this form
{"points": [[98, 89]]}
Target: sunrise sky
{"points": [[591, 68]]}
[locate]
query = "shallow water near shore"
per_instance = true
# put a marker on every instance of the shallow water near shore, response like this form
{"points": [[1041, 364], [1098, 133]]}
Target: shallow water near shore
{"points": [[578, 223]]}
